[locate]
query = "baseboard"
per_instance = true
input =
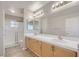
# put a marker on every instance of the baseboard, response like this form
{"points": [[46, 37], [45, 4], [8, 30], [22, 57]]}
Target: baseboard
{"points": [[10, 45], [2, 56]]}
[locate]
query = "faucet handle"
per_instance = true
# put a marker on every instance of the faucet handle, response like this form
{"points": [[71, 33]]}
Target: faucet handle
{"points": [[60, 37]]}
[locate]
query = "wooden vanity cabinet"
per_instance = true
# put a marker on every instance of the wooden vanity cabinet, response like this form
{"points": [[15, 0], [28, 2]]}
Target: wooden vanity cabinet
{"points": [[47, 50], [62, 52]]}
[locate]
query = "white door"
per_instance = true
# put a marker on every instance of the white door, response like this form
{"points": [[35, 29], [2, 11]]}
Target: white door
{"points": [[72, 26]]}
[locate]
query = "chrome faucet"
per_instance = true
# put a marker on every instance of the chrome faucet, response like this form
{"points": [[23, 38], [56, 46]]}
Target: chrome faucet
{"points": [[60, 37]]}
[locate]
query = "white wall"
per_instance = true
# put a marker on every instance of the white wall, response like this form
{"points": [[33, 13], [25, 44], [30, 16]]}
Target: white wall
{"points": [[1, 31]]}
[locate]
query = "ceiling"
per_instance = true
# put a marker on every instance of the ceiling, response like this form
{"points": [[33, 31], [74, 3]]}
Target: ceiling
{"points": [[19, 6], [30, 5]]}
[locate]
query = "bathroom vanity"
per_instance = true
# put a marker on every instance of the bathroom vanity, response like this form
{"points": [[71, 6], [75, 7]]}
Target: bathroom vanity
{"points": [[51, 46]]}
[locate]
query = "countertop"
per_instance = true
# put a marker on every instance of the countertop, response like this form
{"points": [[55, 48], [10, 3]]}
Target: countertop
{"points": [[67, 42]]}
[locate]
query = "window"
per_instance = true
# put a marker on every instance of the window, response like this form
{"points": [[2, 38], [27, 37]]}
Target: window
{"points": [[30, 26]]}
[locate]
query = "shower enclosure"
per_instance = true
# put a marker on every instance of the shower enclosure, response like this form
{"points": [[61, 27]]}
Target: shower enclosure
{"points": [[14, 33]]}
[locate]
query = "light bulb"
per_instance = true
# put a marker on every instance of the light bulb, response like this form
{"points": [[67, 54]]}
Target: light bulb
{"points": [[61, 2], [57, 4], [53, 6]]}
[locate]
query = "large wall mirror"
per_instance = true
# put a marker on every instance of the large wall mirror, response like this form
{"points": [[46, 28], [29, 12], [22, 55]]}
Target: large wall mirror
{"points": [[33, 26], [34, 22]]}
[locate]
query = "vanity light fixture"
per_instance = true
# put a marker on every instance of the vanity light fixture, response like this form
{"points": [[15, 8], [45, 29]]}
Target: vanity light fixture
{"points": [[59, 4], [39, 14], [53, 6], [11, 10], [30, 17]]}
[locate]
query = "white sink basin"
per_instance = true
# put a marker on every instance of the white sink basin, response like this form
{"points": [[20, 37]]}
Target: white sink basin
{"points": [[46, 37]]}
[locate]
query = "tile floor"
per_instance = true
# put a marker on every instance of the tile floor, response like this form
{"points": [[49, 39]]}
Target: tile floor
{"points": [[18, 52]]}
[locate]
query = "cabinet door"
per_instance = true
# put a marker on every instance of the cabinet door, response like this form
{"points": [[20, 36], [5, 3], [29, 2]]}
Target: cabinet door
{"points": [[27, 42], [34, 45], [37, 47], [62, 52], [47, 50]]}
